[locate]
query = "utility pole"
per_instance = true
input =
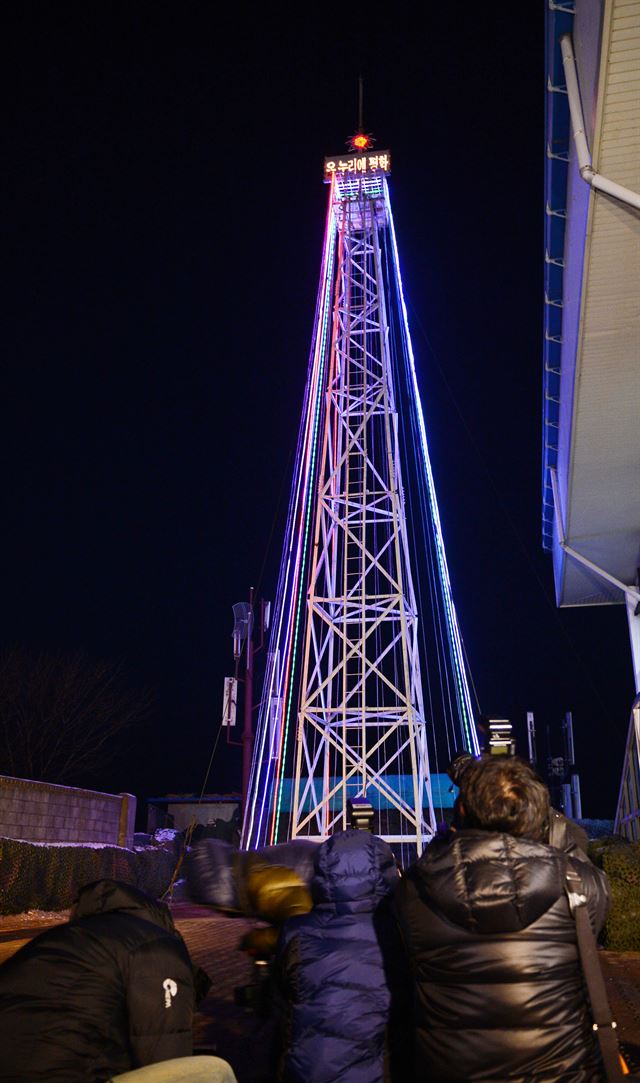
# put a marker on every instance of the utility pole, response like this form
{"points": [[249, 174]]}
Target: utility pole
{"points": [[243, 641], [531, 737], [247, 729], [572, 786]]}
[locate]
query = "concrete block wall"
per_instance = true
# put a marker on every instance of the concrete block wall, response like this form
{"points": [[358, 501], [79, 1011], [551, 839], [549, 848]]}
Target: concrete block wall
{"points": [[43, 812]]}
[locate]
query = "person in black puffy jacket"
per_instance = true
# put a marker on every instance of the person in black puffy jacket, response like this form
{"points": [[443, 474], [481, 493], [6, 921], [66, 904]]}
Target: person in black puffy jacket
{"points": [[561, 832], [498, 988], [340, 969], [110, 991]]}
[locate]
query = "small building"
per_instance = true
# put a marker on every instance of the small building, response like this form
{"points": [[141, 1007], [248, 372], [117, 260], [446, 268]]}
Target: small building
{"points": [[179, 810]]}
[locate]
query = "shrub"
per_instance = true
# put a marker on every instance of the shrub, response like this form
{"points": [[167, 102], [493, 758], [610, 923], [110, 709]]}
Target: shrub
{"points": [[41, 877], [621, 862]]}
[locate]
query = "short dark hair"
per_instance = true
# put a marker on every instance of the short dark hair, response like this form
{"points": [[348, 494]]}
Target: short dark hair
{"points": [[503, 793]]}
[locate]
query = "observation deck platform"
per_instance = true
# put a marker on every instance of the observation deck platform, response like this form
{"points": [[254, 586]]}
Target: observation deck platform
{"points": [[359, 181]]}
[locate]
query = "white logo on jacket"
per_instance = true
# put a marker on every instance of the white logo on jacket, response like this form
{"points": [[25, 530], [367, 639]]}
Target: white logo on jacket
{"points": [[170, 990]]}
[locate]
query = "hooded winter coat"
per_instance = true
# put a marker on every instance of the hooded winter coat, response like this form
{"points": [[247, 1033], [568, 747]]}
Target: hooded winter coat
{"points": [[110, 991], [499, 993], [336, 968]]}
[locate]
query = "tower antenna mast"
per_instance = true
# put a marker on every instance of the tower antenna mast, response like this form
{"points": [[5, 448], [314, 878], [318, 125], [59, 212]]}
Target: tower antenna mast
{"points": [[360, 104]]}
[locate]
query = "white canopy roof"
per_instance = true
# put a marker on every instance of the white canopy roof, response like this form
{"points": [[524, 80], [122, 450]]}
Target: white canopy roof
{"points": [[598, 448]]}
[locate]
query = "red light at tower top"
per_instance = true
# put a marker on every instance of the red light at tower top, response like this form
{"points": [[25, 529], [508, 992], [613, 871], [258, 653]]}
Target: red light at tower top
{"points": [[360, 141]]}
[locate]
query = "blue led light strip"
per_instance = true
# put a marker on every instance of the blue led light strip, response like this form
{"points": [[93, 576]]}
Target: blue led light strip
{"points": [[464, 695]]}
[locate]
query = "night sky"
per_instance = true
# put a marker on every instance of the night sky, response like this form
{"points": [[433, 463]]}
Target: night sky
{"points": [[163, 217]]}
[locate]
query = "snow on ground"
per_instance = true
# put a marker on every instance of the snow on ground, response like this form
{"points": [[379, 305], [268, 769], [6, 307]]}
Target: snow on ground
{"points": [[32, 918], [86, 845], [166, 834]]}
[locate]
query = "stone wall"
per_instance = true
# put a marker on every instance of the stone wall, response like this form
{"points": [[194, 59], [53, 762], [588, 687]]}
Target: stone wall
{"points": [[42, 812]]}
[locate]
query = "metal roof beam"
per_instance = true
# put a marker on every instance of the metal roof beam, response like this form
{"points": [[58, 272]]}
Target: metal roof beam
{"points": [[587, 172]]}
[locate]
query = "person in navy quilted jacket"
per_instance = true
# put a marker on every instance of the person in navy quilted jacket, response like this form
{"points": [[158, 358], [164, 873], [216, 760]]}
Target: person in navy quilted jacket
{"points": [[339, 971]]}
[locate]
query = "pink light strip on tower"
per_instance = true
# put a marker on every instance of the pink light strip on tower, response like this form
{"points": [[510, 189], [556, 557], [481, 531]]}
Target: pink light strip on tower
{"points": [[266, 772], [310, 502], [306, 511]]}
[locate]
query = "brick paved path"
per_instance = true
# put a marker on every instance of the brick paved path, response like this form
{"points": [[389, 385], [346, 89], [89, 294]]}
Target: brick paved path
{"points": [[622, 975], [238, 1034], [243, 1039]]}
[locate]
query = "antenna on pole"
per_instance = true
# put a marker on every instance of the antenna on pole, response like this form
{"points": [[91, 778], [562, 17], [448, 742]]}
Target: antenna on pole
{"points": [[531, 735], [361, 140], [360, 104]]}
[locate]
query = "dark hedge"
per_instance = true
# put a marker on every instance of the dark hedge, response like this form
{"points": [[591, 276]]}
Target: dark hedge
{"points": [[49, 877], [621, 862]]}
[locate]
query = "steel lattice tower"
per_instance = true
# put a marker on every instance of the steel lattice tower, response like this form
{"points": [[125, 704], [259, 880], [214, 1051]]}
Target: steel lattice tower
{"points": [[343, 711], [361, 715]]}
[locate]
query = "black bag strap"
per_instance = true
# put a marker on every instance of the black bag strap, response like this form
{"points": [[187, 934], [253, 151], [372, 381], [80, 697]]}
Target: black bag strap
{"points": [[603, 1022]]}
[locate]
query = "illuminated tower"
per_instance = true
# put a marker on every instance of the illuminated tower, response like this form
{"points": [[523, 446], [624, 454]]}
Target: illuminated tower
{"points": [[343, 712]]}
